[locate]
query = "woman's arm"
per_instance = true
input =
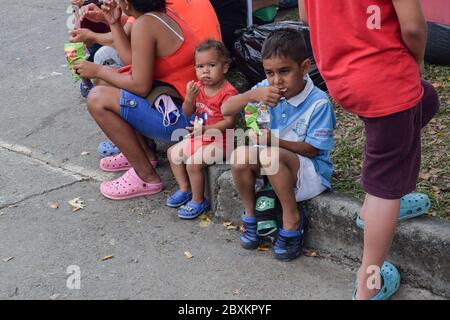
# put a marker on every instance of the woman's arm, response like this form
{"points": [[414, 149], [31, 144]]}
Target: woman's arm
{"points": [[143, 51], [121, 41]]}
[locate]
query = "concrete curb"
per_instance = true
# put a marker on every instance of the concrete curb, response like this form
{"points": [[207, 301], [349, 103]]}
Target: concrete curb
{"points": [[421, 247]]}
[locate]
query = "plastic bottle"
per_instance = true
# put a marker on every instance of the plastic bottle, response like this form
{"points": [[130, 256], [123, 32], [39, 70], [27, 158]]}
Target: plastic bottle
{"points": [[263, 118]]}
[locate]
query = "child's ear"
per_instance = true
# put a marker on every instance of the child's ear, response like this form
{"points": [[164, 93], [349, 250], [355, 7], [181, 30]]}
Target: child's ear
{"points": [[306, 65], [226, 66]]}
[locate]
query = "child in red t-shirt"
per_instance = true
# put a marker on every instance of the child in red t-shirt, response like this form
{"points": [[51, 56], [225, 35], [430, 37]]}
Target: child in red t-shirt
{"points": [[207, 142]]}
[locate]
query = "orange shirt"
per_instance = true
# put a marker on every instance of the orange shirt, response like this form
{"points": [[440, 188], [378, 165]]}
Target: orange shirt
{"points": [[199, 15], [361, 55], [178, 68]]}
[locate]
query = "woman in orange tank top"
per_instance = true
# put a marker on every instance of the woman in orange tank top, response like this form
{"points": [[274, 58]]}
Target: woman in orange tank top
{"points": [[162, 48]]}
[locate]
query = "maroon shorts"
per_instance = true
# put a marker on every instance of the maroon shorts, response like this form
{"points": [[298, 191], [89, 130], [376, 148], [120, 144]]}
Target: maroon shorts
{"points": [[392, 151]]}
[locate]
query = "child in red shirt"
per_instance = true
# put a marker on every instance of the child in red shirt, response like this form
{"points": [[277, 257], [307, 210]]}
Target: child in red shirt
{"points": [[371, 54], [207, 142]]}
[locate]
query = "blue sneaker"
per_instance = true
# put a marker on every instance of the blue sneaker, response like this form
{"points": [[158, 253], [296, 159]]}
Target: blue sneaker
{"points": [[249, 238], [192, 210], [178, 199], [289, 244], [411, 205], [85, 88]]}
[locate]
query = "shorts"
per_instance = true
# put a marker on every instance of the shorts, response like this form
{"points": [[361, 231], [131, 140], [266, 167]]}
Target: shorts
{"points": [[309, 183], [146, 120], [392, 151]]}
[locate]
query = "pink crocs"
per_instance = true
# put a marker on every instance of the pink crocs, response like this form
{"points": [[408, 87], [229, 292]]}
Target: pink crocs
{"points": [[119, 163], [129, 186]]}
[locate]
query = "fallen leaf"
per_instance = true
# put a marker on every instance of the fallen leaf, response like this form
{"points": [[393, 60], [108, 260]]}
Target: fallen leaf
{"points": [[13, 206], [226, 224], [107, 258], [311, 254], [54, 205], [263, 247], [231, 228], [188, 254], [76, 204], [84, 153], [204, 221], [242, 229], [8, 259]]}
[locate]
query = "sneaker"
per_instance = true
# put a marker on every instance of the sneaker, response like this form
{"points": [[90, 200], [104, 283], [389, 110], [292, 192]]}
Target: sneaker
{"points": [[249, 239], [289, 243]]}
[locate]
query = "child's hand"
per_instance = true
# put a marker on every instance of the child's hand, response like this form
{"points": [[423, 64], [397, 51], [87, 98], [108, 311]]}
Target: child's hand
{"points": [[268, 95], [92, 13], [111, 11], [80, 35], [192, 90], [86, 69], [78, 3]]}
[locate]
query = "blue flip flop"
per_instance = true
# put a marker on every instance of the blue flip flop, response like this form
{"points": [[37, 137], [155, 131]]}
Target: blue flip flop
{"points": [[107, 149], [192, 210], [391, 282], [178, 199], [411, 205]]}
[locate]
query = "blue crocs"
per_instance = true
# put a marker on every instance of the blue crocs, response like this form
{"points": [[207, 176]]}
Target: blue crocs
{"points": [[391, 282], [249, 238], [178, 198], [85, 88], [192, 210], [107, 149], [289, 244], [411, 205]]}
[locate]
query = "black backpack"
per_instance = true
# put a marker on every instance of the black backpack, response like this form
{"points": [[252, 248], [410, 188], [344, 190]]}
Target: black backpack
{"points": [[267, 210]]}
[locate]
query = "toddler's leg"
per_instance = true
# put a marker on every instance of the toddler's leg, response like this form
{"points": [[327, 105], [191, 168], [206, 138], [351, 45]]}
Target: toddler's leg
{"points": [[195, 165], [175, 155], [245, 169], [283, 180]]}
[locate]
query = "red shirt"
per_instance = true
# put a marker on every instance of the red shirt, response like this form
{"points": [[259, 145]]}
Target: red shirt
{"points": [[208, 108], [360, 53]]}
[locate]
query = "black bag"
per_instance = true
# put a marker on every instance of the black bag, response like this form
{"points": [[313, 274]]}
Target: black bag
{"points": [[247, 50], [438, 44]]}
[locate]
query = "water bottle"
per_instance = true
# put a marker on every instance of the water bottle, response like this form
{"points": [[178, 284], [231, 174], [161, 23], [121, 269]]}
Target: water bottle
{"points": [[263, 119]]}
